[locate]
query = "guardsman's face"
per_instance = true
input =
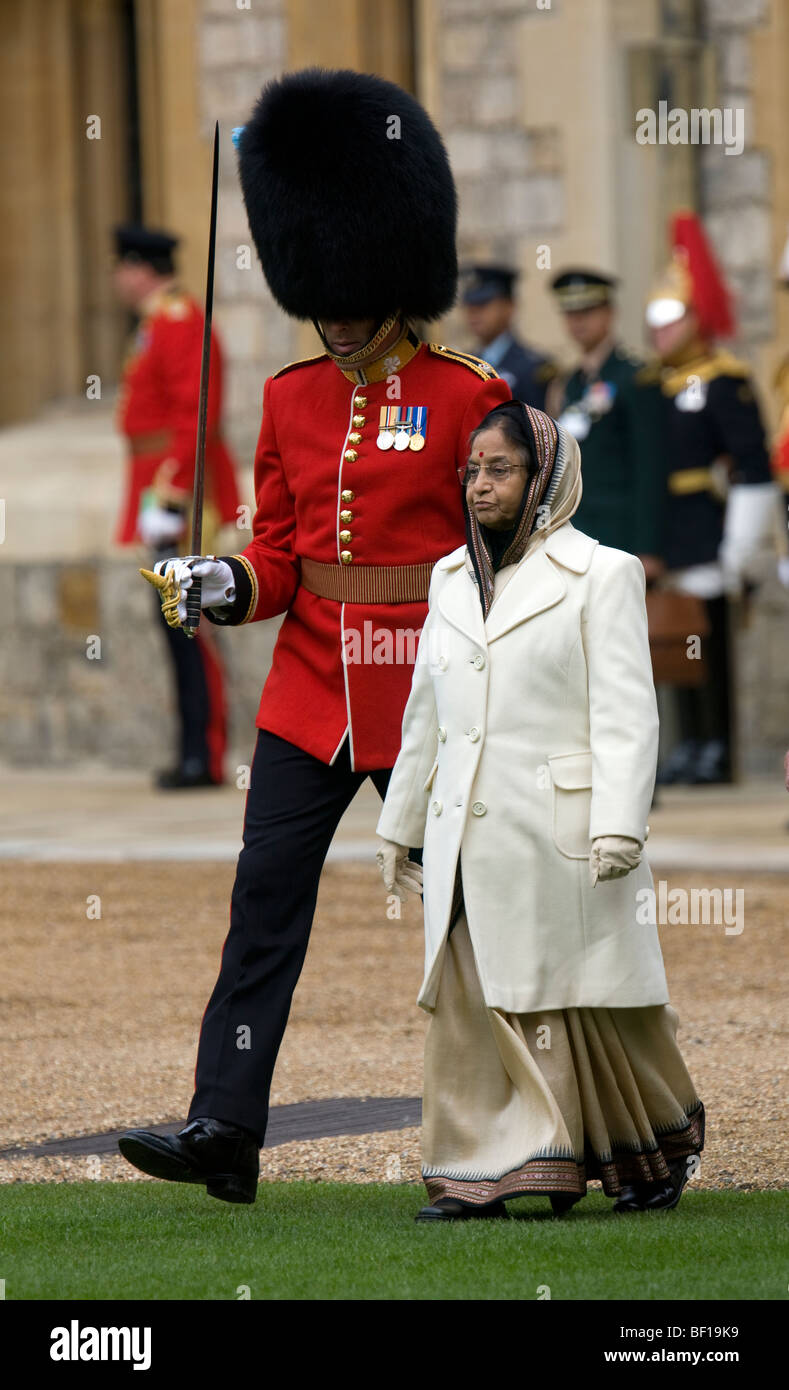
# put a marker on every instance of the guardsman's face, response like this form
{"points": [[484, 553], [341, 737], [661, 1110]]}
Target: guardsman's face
{"points": [[133, 282], [673, 337], [346, 336], [488, 320], [495, 501], [590, 326]]}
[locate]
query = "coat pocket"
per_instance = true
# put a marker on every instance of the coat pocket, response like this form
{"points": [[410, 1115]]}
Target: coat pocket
{"points": [[430, 777], [571, 803]]}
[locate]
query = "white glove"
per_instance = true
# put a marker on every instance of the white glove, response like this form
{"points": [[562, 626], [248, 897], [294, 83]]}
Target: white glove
{"points": [[613, 856], [218, 585], [748, 531], [400, 874], [158, 526]]}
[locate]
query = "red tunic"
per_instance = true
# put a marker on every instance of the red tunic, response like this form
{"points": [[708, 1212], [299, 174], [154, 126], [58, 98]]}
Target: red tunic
{"points": [[405, 508], [157, 411]]}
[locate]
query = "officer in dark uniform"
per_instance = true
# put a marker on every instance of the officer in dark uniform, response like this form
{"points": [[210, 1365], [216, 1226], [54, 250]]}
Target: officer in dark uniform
{"points": [[489, 302], [611, 404], [722, 504]]}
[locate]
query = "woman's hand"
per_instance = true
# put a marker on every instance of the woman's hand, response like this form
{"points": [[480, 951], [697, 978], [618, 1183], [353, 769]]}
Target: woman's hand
{"points": [[613, 856], [400, 874]]}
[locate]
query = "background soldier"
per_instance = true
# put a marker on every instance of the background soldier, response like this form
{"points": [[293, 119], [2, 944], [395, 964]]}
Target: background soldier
{"points": [[158, 414], [714, 427], [357, 497], [611, 404], [780, 455], [489, 304]]}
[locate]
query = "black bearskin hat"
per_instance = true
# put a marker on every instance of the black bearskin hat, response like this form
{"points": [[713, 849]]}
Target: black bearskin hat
{"points": [[353, 212]]}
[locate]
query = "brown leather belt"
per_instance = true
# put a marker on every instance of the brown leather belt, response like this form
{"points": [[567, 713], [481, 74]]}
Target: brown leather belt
{"points": [[367, 583], [154, 443], [158, 441]]}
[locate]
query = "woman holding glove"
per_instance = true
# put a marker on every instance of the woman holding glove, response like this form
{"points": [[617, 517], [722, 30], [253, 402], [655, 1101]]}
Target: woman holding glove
{"points": [[526, 772]]}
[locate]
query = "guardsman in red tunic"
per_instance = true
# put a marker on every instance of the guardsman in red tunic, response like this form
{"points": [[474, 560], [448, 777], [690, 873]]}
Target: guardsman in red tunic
{"points": [[352, 208], [158, 415]]}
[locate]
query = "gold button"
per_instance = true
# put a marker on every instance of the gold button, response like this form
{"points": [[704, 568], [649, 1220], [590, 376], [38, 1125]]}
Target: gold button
{"points": [[355, 438], [358, 421], [351, 455], [345, 517], [361, 401], [345, 537], [347, 495], [346, 556]]}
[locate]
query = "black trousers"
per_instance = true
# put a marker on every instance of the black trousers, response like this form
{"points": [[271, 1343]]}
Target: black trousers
{"points": [[199, 682], [294, 804]]}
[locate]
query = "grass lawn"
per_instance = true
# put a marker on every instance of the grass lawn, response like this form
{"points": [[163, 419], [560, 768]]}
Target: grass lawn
{"points": [[100, 1240]]}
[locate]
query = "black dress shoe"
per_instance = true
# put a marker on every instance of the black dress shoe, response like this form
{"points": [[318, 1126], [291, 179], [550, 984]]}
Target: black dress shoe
{"points": [[182, 779], [222, 1156], [631, 1198], [563, 1201], [713, 764], [669, 1194], [449, 1209]]}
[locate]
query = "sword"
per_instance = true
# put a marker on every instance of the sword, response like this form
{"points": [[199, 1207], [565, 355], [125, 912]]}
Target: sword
{"points": [[168, 591], [193, 596]]}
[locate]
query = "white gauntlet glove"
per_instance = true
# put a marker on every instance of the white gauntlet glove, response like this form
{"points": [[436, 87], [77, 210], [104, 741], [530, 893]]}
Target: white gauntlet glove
{"points": [[613, 856], [174, 578], [218, 585], [400, 874]]}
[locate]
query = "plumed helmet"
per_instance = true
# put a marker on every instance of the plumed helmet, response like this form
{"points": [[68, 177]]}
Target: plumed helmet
{"points": [[350, 198]]}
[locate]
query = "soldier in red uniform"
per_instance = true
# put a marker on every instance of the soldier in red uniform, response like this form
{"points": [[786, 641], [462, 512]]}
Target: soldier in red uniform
{"points": [[158, 415], [352, 208]]}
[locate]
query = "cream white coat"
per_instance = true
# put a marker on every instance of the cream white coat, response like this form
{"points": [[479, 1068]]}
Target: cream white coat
{"points": [[524, 738]]}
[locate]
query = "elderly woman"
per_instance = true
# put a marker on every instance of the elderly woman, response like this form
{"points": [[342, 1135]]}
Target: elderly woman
{"points": [[526, 773]]}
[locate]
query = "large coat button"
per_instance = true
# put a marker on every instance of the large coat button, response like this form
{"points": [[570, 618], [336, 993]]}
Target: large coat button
{"points": [[347, 495], [442, 663], [360, 400], [442, 734], [479, 808], [437, 808], [473, 735], [479, 662], [346, 557]]}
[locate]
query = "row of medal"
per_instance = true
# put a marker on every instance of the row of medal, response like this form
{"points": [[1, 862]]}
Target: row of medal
{"points": [[402, 427]]}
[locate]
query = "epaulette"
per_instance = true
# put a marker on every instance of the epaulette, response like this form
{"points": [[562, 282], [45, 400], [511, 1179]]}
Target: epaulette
{"points": [[720, 363], [175, 305], [466, 359], [300, 362]]}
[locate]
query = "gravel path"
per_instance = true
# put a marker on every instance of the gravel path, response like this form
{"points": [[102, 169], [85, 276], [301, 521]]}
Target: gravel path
{"points": [[100, 1016]]}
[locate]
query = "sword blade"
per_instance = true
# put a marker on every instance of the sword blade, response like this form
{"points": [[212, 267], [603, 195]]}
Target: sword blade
{"points": [[193, 596]]}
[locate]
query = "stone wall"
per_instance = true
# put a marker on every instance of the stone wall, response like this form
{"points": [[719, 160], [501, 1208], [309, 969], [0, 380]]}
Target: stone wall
{"points": [[84, 673]]}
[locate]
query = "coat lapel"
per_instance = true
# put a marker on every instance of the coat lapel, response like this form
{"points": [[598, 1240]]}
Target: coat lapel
{"points": [[539, 581], [459, 603], [537, 584]]}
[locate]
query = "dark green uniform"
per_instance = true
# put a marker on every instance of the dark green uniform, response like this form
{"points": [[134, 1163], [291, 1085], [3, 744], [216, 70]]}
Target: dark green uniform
{"points": [[616, 414]]}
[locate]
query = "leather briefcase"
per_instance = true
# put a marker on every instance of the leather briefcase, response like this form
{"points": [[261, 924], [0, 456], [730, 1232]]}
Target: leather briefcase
{"points": [[673, 618]]}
